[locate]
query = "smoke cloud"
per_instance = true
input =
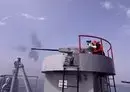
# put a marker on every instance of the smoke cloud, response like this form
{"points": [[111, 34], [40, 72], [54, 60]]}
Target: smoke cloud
{"points": [[35, 43], [21, 48]]}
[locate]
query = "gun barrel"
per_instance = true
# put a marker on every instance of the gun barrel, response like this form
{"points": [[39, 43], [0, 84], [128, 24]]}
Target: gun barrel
{"points": [[44, 49], [128, 82], [58, 50]]}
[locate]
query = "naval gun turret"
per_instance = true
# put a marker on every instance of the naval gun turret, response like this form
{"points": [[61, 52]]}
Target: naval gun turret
{"points": [[69, 60], [79, 71]]}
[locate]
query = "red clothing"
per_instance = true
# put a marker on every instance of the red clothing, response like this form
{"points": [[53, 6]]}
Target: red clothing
{"points": [[100, 48]]}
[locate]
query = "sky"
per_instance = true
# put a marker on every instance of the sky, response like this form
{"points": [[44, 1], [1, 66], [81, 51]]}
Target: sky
{"points": [[57, 23]]}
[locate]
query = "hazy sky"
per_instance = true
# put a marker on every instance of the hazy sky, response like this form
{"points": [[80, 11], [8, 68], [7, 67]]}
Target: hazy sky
{"points": [[58, 24]]}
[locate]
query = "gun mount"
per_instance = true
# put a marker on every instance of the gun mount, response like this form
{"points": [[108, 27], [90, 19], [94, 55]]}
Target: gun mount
{"points": [[69, 59]]}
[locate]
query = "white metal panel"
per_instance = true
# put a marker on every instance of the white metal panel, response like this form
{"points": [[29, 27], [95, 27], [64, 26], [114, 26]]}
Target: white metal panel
{"points": [[53, 62]]}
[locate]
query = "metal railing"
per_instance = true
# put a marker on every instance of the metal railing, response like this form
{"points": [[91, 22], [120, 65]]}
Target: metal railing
{"points": [[109, 50]]}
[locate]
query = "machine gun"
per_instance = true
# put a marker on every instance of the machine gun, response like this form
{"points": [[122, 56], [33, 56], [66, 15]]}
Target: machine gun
{"points": [[69, 60]]}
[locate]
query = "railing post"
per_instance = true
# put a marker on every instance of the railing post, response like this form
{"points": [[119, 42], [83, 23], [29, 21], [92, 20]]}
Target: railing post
{"points": [[79, 43], [112, 53]]}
